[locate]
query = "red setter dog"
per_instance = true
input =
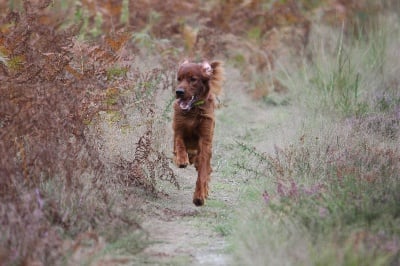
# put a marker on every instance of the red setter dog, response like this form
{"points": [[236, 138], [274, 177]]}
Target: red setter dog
{"points": [[193, 122]]}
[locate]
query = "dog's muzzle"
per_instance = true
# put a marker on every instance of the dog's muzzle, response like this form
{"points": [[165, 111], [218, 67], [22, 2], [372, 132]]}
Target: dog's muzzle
{"points": [[180, 92]]}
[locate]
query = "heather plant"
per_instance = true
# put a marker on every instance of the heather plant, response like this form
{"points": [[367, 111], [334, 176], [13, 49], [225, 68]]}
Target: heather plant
{"points": [[337, 193]]}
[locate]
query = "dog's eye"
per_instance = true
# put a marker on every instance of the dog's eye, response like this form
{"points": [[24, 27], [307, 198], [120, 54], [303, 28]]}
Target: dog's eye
{"points": [[179, 79], [193, 79]]}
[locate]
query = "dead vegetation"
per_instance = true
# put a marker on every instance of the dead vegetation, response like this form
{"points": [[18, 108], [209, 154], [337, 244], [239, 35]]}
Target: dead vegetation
{"points": [[54, 182]]}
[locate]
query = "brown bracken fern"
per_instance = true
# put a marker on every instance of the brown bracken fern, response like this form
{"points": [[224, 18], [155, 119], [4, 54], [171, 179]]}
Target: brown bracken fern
{"points": [[53, 181]]}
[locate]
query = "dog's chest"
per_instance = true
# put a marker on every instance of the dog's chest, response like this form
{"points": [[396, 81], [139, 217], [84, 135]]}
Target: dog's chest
{"points": [[191, 125]]}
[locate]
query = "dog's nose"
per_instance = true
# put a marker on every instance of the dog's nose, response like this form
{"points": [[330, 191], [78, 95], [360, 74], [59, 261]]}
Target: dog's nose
{"points": [[180, 92]]}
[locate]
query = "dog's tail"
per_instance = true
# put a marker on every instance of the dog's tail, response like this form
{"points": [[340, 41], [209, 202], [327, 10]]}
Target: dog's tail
{"points": [[217, 77]]}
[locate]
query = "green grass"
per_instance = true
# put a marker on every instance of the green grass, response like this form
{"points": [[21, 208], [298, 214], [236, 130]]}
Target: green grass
{"points": [[345, 72]]}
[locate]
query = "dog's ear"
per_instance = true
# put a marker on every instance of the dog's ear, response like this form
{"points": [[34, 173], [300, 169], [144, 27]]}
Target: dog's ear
{"points": [[185, 61], [217, 77], [215, 65], [207, 69]]}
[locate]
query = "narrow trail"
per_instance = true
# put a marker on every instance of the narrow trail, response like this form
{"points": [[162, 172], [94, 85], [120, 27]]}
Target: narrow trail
{"points": [[182, 234]]}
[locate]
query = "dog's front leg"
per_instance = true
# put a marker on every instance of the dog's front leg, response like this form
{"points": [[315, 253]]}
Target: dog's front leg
{"points": [[181, 156]]}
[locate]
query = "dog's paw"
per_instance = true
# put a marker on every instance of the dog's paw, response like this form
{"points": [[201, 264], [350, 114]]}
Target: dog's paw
{"points": [[198, 202], [183, 165], [199, 198], [181, 162]]}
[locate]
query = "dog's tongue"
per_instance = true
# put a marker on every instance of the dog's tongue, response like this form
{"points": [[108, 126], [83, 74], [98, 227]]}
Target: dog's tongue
{"points": [[186, 105]]}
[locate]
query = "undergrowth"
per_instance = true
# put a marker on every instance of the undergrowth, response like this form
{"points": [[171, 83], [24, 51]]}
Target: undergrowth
{"points": [[346, 75], [335, 196], [60, 200], [83, 124], [331, 197]]}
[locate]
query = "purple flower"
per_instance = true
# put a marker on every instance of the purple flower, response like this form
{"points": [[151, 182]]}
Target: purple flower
{"points": [[323, 212], [266, 197]]}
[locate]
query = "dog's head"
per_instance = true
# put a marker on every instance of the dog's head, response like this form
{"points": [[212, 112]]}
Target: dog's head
{"points": [[194, 83]]}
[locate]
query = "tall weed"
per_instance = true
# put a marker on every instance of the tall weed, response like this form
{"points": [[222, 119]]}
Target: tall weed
{"points": [[345, 73]]}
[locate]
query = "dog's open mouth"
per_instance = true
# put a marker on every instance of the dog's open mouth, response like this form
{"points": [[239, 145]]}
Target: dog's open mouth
{"points": [[187, 104]]}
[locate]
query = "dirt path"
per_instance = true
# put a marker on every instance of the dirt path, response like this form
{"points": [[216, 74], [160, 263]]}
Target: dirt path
{"points": [[183, 234]]}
